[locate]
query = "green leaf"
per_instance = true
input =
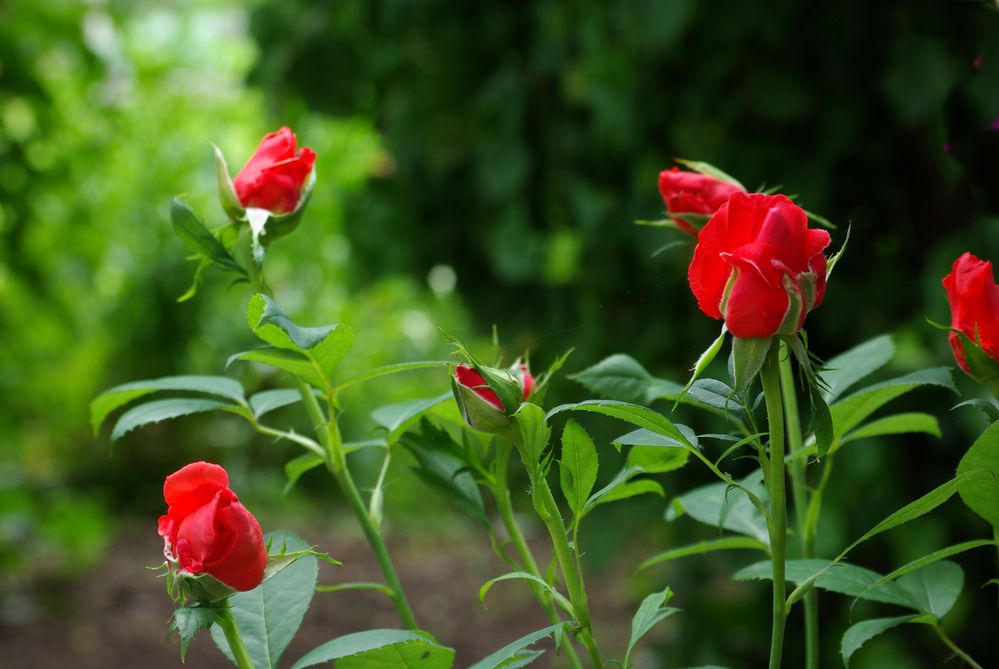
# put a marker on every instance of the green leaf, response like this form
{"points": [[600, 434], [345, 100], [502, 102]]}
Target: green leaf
{"points": [[113, 398], [849, 412], [289, 361], [578, 467], [294, 469], [504, 655], [398, 418], [933, 557], [621, 377], [564, 603], [199, 239], [651, 612], [845, 369], [635, 414], [934, 588], [381, 648], [704, 360], [657, 459], [227, 192], [834, 260], [709, 170], [719, 505], [987, 407], [158, 410], [825, 223], [701, 547], [449, 476], [188, 621], [324, 346], [981, 494], [902, 423], [748, 354], [716, 394], [621, 487], [269, 615], [390, 369], [859, 634], [846, 579], [534, 434], [269, 400]]}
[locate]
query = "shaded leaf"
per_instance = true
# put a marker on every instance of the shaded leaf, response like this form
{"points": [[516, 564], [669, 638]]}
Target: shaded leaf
{"points": [[859, 634], [701, 547], [578, 467], [981, 494], [511, 651], [844, 370], [118, 396], [408, 650], [159, 410]]}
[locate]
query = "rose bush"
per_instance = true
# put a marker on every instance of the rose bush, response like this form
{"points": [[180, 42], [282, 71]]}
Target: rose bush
{"points": [[974, 307], [759, 266], [276, 174], [207, 530], [693, 193]]}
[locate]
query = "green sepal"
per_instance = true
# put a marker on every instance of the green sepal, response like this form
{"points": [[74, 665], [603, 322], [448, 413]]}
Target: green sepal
{"points": [[478, 413], [231, 205], [710, 170], [500, 381], [748, 355]]}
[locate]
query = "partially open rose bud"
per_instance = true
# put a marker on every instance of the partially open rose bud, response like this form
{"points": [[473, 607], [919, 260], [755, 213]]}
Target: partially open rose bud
{"points": [[759, 266], [480, 405], [207, 531], [277, 174], [693, 193], [974, 307]]}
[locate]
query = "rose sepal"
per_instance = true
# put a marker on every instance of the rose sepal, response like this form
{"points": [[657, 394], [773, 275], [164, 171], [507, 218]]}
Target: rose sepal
{"points": [[981, 366], [478, 413], [231, 205]]}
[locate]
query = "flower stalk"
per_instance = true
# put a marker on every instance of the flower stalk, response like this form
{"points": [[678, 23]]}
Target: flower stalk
{"points": [[774, 469], [227, 622]]}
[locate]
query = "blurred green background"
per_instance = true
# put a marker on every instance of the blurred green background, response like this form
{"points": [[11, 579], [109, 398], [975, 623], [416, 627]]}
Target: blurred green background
{"points": [[479, 164]]}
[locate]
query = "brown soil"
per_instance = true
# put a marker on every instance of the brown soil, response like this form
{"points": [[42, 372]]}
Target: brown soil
{"points": [[117, 615]]}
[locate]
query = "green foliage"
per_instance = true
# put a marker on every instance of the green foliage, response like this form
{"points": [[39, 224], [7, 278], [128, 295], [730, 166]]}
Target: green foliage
{"points": [[380, 648], [269, 616], [721, 506], [160, 410], [578, 466], [981, 493], [650, 613], [508, 655], [748, 355], [859, 634], [187, 621]]}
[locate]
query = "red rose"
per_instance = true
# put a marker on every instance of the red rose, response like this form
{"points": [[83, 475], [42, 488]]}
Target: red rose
{"points": [[274, 177], [207, 530], [469, 378], [974, 307], [758, 266], [693, 193]]}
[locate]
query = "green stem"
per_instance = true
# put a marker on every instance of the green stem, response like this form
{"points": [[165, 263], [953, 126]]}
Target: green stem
{"points": [[226, 621], [770, 376], [954, 647], [995, 535], [799, 490], [329, 436], [501, 492]]}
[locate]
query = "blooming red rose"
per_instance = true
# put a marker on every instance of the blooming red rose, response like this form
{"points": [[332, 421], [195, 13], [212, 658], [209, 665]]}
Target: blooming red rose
{"points": [[693, 193], [759, 266], [207, 530], [974, 307], [275, 176]]}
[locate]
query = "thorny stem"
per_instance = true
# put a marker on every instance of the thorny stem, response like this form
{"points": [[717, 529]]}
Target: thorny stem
{"points": [[954, 647], [799, 490]]}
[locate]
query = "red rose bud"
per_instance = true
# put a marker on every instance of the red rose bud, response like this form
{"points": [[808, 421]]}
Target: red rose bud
{"points": [[277, 173], [207, 531], [974, 308], [693, 193], [759, 266], [480, 406]]}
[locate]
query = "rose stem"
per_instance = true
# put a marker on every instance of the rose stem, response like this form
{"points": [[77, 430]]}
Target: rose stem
{"points": [[770, 377], [799, 489], [329, 436], [228, 624], [501, 492]]}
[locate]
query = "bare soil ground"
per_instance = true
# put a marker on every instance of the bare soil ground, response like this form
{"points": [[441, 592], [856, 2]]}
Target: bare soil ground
{"points": [[116, 617]]}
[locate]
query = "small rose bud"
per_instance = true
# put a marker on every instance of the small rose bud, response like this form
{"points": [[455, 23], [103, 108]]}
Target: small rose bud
{"points": [[693, 193], [480, 406], [277, 174], [974, 307], [759, 266], [207, 531]]}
